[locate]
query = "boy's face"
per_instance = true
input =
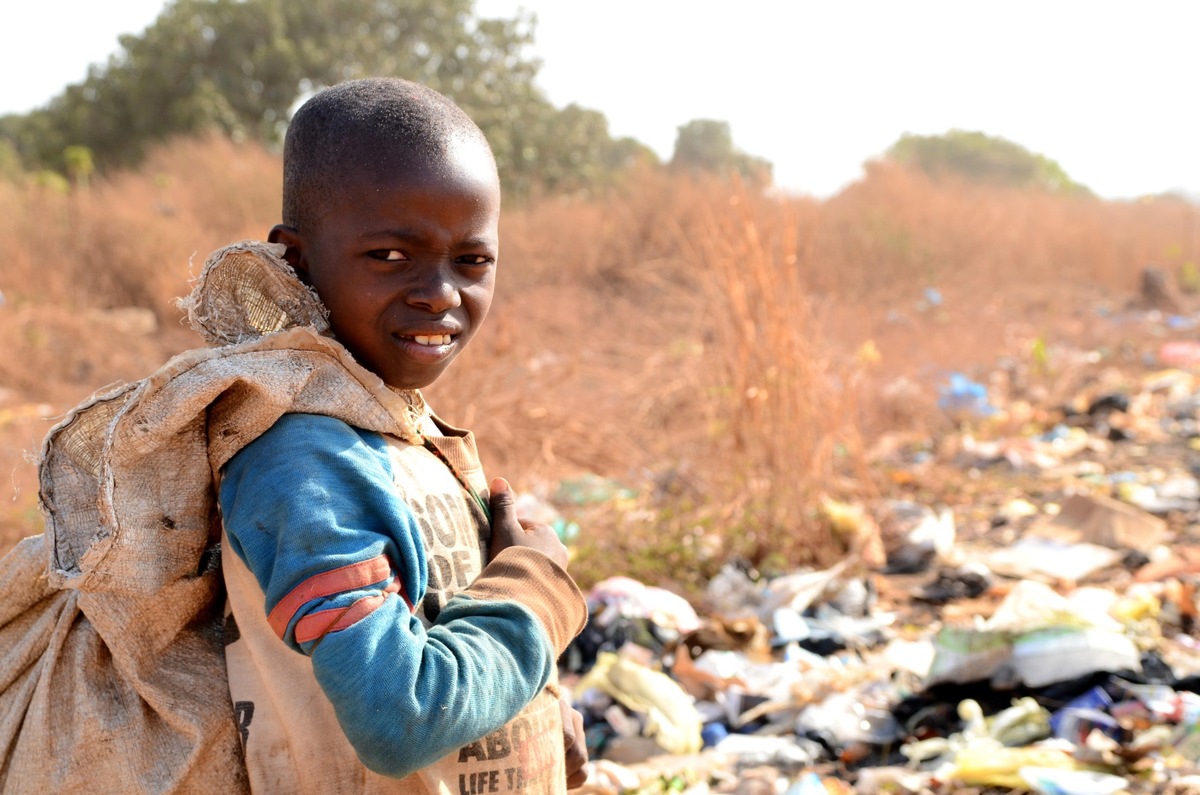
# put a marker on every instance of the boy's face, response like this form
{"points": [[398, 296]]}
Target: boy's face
{"points": [[405, 263]]}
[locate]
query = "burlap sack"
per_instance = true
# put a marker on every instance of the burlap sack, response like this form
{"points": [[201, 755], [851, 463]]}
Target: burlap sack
{"points": [[112, 670]]}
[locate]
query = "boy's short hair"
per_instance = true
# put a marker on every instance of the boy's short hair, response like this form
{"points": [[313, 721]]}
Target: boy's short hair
{"points": [[371, 124]]}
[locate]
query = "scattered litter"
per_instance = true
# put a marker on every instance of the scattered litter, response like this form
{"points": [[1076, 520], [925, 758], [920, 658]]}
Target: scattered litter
{"points": [[1040, 637]]}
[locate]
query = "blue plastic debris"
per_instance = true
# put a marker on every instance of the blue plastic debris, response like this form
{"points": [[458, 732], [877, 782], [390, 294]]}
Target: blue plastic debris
{"points": [[961, 395], [809, 784]]}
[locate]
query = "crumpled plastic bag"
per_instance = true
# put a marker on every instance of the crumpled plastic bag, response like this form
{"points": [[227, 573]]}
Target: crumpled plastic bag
{"points": [[627, 597], [671, 717]]}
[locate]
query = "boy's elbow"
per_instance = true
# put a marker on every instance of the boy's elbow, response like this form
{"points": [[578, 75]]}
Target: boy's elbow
{"points": [[393, 762], [404, 746], [394, 754]]}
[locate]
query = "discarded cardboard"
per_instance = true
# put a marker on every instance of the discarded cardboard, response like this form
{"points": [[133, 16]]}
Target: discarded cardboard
{"points": [[1037, 557], [1102, 520]]}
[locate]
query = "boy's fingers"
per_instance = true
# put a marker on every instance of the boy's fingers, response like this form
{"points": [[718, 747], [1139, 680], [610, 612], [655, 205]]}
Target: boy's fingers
{"points": [[568, 725], [578, 778], [509, 531], [575, 744], [502, 498]]}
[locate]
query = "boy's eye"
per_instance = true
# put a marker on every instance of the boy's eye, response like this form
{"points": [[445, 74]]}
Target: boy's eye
{"points": [[387, 254], [475, 259]]}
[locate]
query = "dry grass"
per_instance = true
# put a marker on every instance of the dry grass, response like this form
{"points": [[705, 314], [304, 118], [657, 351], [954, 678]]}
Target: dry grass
{"points": [[694, 341], [127, 241]]}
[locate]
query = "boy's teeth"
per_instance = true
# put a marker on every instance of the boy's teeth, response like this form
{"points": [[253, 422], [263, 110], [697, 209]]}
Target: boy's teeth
{"points": [[440, 339]]}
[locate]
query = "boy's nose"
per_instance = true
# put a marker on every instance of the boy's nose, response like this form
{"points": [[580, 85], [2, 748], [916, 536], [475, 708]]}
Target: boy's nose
{"points": [[438, 293]]}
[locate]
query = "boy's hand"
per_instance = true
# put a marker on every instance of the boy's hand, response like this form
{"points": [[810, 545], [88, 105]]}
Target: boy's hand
{"points": [[575, 740], [508, 531]]}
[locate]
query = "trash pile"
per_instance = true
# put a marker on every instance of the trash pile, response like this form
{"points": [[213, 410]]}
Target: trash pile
{"points": [[1038, 635]]}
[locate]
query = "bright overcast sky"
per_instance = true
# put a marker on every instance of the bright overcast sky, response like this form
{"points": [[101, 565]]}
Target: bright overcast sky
{"points": [[1107, 89]]}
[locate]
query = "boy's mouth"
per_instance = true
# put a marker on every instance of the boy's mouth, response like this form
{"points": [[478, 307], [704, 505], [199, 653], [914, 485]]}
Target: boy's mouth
{"points": [[431, 339], [429, 343]]}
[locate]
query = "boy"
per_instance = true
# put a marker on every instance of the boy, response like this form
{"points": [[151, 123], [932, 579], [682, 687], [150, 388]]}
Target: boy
{"points": [[383, 634]]}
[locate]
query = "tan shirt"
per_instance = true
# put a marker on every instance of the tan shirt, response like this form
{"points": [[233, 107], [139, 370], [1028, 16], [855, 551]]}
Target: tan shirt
{"points": [[293, 742]]}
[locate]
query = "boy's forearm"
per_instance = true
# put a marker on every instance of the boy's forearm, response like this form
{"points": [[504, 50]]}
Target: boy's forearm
{"points": [[535, 581], [491, 651], [405, 697]]}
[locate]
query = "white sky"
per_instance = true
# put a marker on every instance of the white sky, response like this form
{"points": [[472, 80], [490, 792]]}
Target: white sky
{"points": [[1108, 89]]}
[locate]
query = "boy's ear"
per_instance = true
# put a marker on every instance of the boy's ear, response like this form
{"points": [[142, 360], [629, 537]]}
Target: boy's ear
{"points": [[293, 251]]}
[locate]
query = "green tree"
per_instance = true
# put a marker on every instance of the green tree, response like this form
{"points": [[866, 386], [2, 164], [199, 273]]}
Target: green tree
{"points": [[241, 66], [10, 163], [80, 164], [706, 145], [571, 150], [977, 157]]}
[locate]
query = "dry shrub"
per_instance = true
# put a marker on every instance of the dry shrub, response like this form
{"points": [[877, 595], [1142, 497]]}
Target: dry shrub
{"points": [[782, 410], [586, 363], [663, 337]]}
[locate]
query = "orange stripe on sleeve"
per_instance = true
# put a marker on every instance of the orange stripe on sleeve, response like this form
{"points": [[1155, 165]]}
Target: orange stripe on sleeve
{"points": [[322, 622], [344, 578]]}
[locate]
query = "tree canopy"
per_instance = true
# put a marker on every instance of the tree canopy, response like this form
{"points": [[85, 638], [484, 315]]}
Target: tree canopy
{"points": [[977, 157], [241, 66], [706, 145]]}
